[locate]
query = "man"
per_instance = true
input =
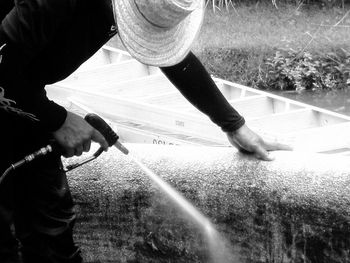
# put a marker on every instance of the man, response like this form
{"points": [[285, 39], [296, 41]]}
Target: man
{"points": [[43, 41]]}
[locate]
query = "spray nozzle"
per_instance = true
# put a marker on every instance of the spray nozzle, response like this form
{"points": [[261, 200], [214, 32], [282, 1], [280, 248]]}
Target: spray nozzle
{"points": [[111, 137]]}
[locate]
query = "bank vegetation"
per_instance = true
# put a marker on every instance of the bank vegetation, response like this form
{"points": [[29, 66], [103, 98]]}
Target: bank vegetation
{"points": [[278, 45]]}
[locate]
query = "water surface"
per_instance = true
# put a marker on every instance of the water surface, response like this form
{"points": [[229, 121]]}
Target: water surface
{"points": [[338, 101]]}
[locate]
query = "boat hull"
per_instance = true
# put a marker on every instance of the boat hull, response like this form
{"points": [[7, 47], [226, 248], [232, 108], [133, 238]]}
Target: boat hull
{"points": [[294, 209]]}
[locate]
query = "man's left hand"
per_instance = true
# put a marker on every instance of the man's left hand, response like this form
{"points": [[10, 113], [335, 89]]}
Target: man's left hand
{"points": [[248, 141]]}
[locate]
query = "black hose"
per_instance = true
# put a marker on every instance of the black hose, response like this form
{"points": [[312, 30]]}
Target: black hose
{"points": [[4, 175], [43, 151]]}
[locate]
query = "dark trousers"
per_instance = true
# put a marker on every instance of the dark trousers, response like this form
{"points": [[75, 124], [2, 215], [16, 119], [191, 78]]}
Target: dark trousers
{"points": [[36, 207]]}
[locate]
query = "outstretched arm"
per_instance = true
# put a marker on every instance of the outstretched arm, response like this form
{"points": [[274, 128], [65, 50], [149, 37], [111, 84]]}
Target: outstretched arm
{"points": [[194, 82]]}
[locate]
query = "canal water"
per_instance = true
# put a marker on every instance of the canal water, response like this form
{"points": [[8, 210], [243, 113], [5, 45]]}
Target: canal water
{"points": [[337, 101]]}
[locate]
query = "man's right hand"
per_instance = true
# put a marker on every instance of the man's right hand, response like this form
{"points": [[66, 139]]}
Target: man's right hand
{"points": [[246, 140], [75, 136]]}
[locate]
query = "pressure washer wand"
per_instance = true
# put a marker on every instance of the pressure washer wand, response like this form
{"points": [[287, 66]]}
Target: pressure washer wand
{"points": [[111, 137], [95, 121]]}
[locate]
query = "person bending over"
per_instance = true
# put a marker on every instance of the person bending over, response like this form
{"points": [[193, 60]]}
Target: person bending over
{"points": [[44, 41]]}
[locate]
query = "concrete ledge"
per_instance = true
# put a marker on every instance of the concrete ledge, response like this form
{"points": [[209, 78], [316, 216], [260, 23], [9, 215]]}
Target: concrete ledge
{"points": [[294, 209]]}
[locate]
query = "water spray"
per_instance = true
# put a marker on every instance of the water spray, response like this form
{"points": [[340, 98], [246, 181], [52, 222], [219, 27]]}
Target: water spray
{"points": [[218, 250]]}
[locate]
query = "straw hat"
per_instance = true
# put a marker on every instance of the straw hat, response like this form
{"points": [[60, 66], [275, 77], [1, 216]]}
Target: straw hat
{"points": [[158, 32]]}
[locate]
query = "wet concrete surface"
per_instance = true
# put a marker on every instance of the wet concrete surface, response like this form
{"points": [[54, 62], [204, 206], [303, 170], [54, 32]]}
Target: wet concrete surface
{"points": [[294, 209]]}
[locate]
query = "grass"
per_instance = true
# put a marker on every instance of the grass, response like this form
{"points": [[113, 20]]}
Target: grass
{"points": [[234, 45], [264, 26]]}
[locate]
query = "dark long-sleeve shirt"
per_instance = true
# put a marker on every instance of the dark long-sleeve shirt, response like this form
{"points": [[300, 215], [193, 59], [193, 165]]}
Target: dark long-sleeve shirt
{"points": [[48, 39]]}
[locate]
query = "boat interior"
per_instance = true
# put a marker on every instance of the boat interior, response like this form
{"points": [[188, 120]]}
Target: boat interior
{"points": [[142, 100]]}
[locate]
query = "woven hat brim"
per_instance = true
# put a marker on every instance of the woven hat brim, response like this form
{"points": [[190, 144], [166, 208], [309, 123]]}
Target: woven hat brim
{"points": [[153, 45]]}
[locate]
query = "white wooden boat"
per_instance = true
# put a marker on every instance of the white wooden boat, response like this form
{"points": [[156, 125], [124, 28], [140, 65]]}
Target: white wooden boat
{"points": [[147, 108]]}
